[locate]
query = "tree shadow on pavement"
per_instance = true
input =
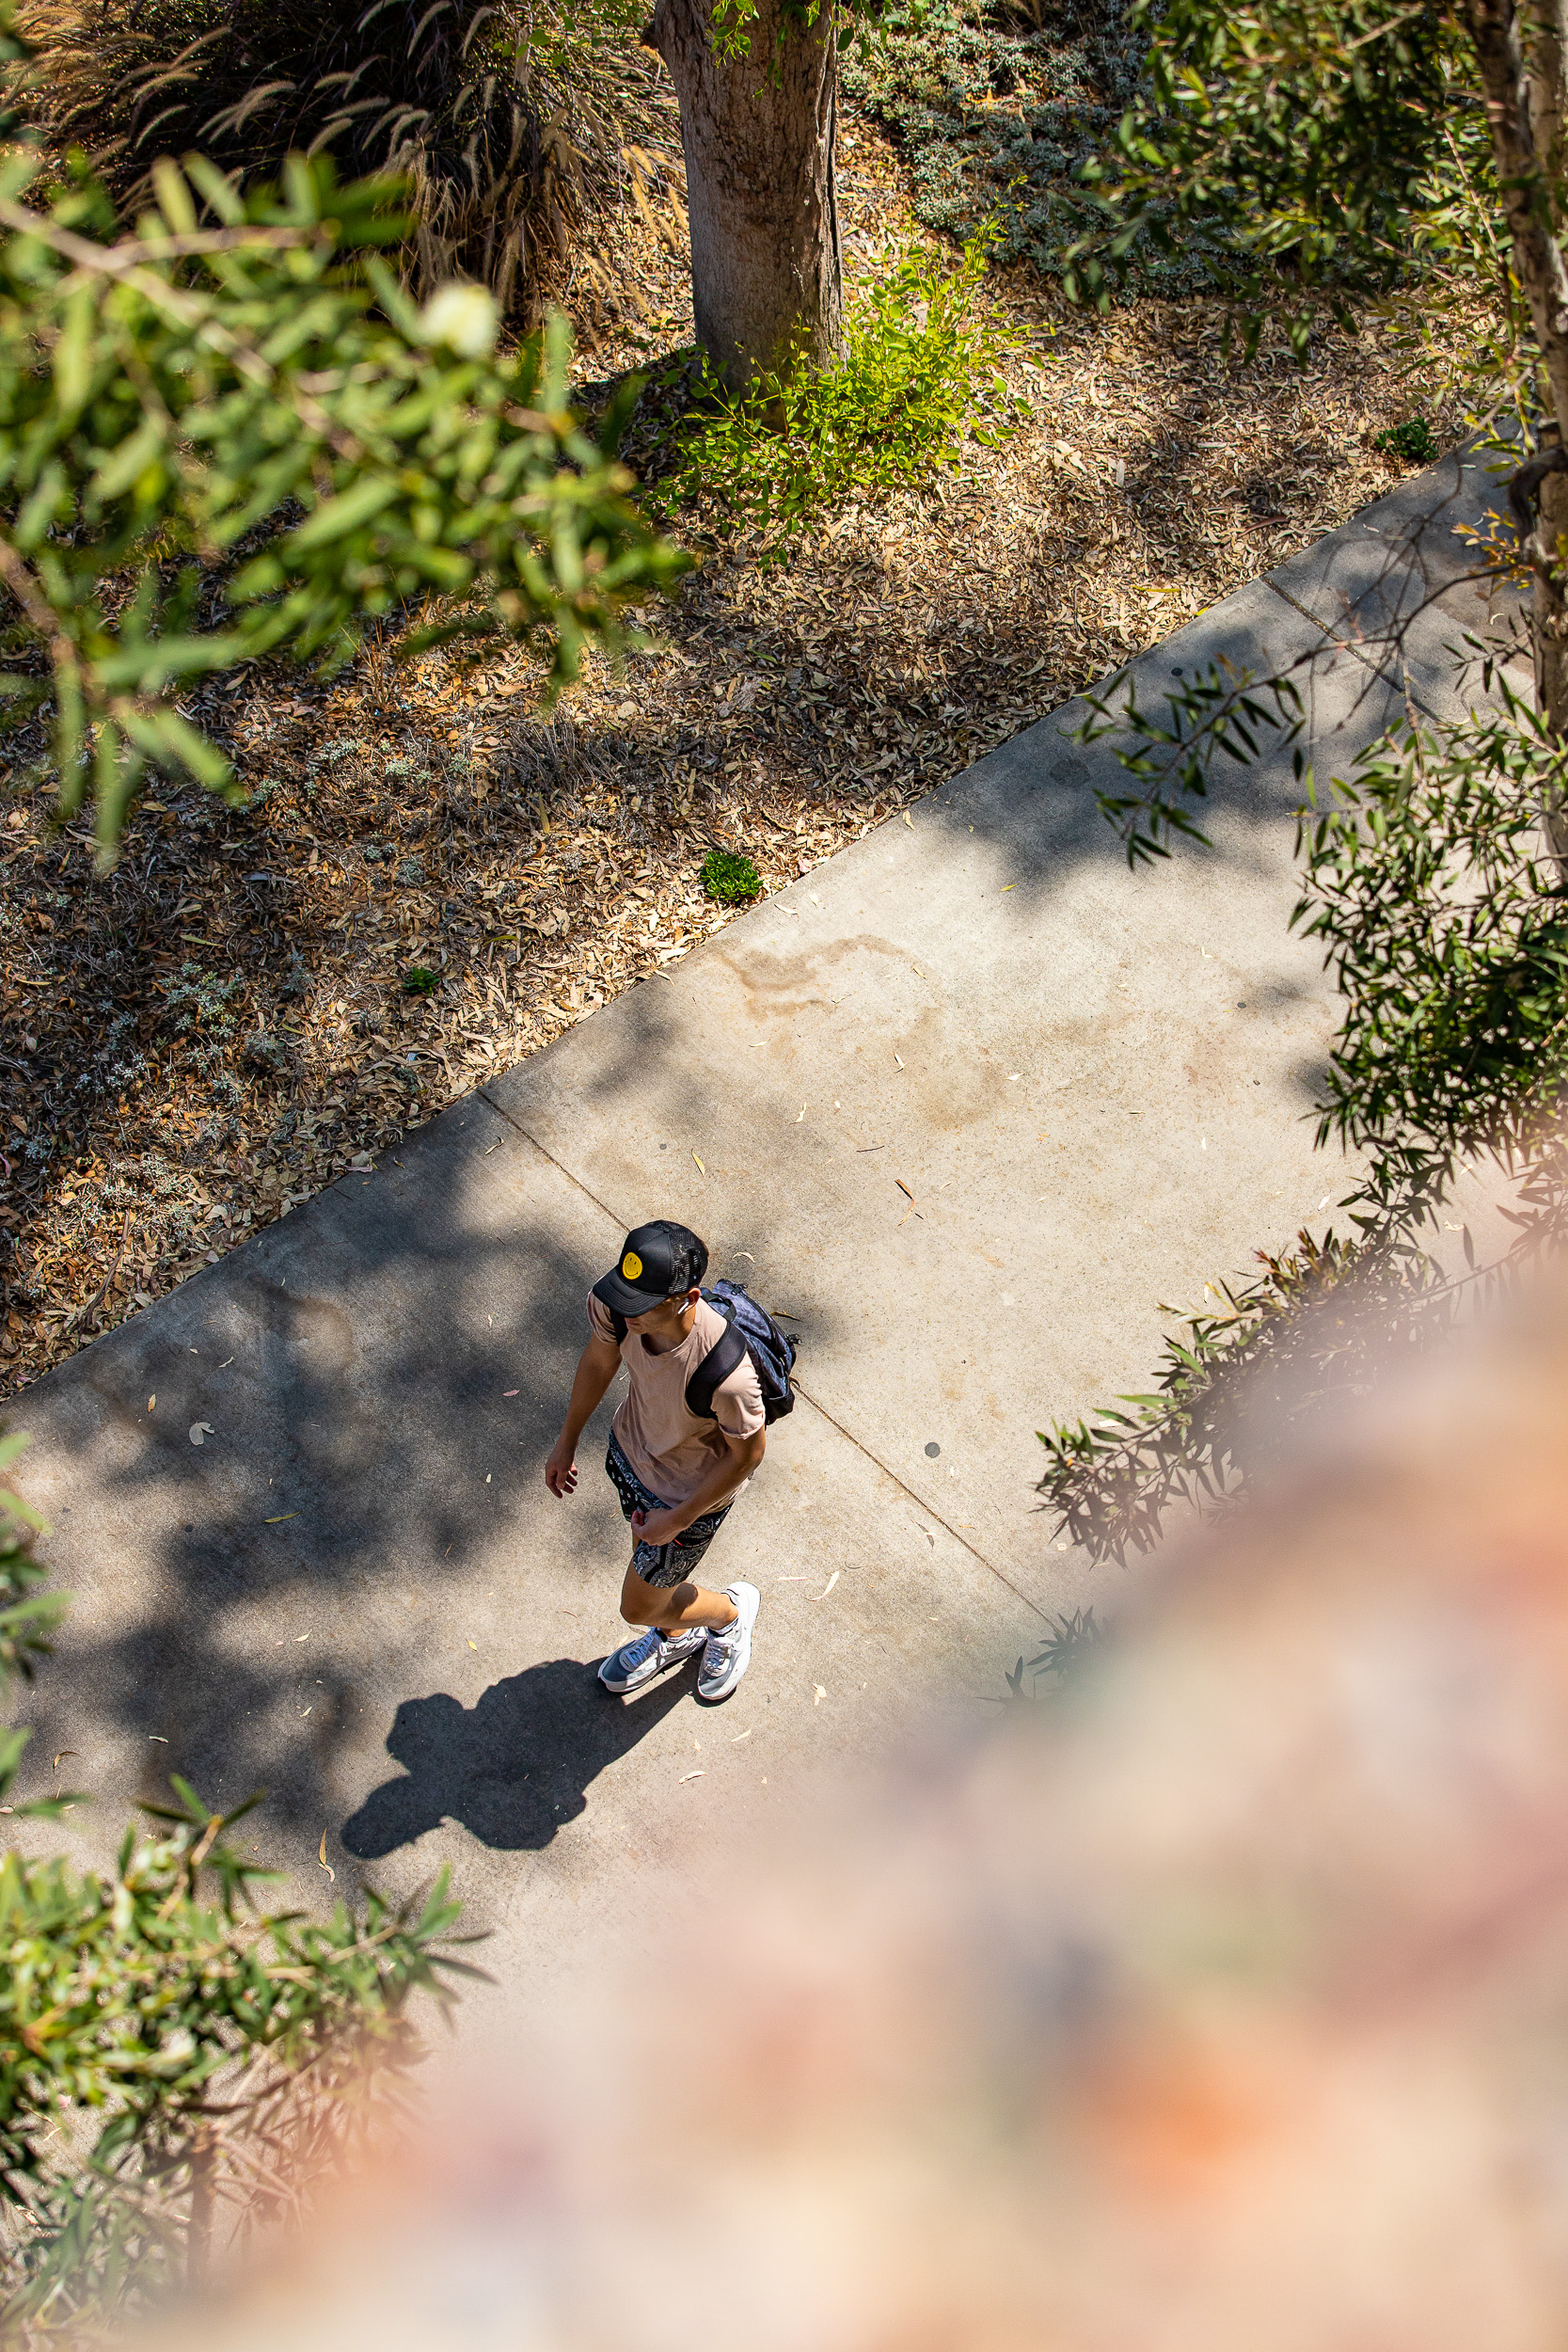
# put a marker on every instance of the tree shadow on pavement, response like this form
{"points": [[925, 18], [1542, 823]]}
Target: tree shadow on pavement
{"points": [[512, 1769]]}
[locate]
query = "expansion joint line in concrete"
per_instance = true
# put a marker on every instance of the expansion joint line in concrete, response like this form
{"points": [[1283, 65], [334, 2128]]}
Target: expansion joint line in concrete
{"points": [[603, 1206], [849, 1435], [1357, 652], [920, 1504]]}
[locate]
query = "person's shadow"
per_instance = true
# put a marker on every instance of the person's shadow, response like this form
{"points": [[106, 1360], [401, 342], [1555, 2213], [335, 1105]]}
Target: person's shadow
{"points": [[512, 1769]]}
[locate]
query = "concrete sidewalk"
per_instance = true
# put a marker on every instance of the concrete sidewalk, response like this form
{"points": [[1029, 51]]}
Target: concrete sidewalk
{"points": [[968, 1102]]}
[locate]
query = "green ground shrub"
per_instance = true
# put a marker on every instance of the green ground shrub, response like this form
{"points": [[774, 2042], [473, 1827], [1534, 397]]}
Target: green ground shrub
{"points": [[173, 2061], [922, 372], [1414, 441], [996, 108], [730, 878]]}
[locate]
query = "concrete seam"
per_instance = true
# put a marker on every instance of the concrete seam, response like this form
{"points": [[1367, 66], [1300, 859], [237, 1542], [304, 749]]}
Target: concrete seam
{"points": [[920, 1505], [1346, 645], [502, 1113], [848, 1434]]}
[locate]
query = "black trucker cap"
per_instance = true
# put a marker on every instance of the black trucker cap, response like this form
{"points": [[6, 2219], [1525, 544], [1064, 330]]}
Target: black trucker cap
{"points": [[659, 1260]]}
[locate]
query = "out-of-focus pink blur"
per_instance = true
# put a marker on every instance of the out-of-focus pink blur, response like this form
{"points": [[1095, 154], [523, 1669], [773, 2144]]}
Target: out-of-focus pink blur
{"points": [[1220, 2006]]}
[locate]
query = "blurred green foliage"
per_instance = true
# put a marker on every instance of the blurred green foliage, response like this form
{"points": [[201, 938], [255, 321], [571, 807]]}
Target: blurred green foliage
{"points": [[233, 433]]}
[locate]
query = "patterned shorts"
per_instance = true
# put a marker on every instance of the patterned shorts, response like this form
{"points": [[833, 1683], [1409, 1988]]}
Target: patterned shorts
{"points": [[664, 1564]]}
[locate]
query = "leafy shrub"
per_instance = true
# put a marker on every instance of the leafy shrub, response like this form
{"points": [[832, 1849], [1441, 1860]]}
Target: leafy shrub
{"points": [[995, 109], [512, 128], [167, 2064], [1414, 441], [1289, 153], [921, 370], [730, 878]]}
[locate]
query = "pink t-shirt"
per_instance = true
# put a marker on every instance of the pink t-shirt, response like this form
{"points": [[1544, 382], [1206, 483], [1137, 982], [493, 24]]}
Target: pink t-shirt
{"points": [[670, 1449]]}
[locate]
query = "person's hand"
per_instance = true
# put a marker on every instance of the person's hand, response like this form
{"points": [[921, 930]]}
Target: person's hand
{"points": [[560, 1471], [656, 1527]]}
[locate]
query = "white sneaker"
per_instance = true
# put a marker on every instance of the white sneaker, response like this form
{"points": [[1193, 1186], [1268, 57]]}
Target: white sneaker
{"points": [[639, 1661], [729, 1646]]}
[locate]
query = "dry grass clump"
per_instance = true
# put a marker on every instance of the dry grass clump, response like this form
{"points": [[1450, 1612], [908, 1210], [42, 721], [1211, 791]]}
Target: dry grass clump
{"points": [[195, 1043], [517, 132]]}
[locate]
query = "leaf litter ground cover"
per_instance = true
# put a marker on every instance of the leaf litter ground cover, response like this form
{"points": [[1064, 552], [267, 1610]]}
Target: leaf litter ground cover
{"points": [[433, 879]]}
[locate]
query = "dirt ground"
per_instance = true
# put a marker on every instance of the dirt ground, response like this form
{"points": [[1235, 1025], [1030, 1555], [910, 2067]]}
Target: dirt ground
{"points": [[196, 1042]]}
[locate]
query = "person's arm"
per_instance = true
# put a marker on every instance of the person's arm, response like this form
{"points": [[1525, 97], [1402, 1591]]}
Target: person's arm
{"points": [[738, 1461], [597, 1366]]}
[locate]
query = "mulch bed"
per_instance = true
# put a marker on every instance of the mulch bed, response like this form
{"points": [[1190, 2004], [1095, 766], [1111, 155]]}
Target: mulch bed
{"points": [[200, 1040]]}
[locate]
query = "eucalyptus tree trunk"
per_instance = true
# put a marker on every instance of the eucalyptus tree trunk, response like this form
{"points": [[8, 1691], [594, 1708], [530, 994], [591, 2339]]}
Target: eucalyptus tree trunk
{"points": [[1523, 57], [758, 130]]}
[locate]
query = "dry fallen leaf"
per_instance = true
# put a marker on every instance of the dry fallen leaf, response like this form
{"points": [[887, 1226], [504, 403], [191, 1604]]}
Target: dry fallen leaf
{"points": [[903, 1188], [320, 1852], [829, 1587], [63, 1754], [741, 1735], [700, 1169], [150, 1401], [821, 1694], [686, 1777], [201, 1431]]}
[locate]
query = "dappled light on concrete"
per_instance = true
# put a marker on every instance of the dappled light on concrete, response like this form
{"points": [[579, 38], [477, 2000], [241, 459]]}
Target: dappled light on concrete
{"points": [[1219, 2003], [967, 1103]]}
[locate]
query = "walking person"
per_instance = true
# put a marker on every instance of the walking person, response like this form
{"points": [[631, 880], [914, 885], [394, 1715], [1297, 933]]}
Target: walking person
{"points": [[676, 1470]]}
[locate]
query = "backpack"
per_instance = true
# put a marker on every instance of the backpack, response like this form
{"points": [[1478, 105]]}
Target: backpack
{"points": [[752, 1332]]}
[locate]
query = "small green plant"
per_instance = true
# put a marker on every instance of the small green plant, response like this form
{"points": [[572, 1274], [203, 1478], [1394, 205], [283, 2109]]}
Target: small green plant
{"points": [[922, 370], [419, 980], [1413, 441], [730, 878]]}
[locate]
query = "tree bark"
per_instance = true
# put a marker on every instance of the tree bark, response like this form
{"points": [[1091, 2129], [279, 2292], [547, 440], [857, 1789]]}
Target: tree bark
{"points": [[1545, 49], [1495, 29], [758, 134], [1524, 74]]}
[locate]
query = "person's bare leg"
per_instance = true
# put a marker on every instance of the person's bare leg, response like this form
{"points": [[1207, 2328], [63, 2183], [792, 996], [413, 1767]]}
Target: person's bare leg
{"points": [[671, 1608]]}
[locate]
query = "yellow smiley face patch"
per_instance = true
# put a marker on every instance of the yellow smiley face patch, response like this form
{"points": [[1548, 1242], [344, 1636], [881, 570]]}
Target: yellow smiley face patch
{"points": [[631, 1265]]}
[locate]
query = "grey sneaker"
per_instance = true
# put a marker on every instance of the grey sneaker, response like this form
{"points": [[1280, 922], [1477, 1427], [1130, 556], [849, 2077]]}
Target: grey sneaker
{"points": [[729, 1647], [639, 1661]]}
